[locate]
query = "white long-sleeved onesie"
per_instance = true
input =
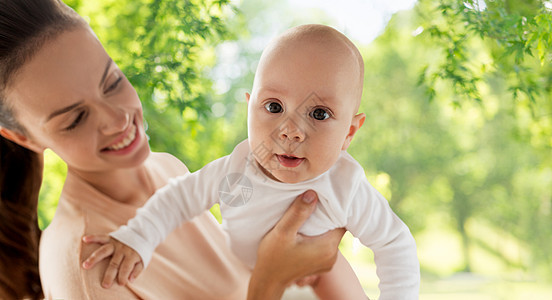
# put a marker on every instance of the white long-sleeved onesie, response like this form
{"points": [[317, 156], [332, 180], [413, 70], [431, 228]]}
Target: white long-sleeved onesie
{"points": [[251, 203]]}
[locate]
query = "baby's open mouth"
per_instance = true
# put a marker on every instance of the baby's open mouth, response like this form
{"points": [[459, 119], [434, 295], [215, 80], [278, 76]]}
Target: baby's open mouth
{"points": [[289, 161]]}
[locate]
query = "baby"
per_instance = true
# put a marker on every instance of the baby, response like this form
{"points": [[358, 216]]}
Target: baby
{"points": [[302, 116]]}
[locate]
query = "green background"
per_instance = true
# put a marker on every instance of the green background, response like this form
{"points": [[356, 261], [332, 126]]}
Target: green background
{"points": [[458, 134]]}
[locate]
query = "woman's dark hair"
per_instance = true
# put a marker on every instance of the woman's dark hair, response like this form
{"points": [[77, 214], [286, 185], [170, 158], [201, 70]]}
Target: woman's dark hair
{"points": [[20, 180], [25, 25]]}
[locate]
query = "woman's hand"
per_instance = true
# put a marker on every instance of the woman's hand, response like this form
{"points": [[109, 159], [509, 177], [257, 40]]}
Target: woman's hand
{"points": [[284, 255]]}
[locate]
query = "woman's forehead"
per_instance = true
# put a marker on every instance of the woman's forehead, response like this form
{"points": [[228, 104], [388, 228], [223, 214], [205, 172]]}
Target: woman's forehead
{"points": [[65, 68]]}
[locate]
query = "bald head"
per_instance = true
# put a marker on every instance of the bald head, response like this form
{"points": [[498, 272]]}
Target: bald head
{"points": [[304, 101], [323, 44]]}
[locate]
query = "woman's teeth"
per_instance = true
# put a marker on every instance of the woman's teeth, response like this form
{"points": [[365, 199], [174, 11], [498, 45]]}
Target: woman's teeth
{"points": [[126, 141]]}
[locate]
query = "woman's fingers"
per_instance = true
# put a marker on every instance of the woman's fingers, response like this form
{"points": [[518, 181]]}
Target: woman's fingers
{"points": [[98, 239], [329, 239], [298, 213], [325, 246], [284, 255], [335, 236], [308, 280], [100, 254]]}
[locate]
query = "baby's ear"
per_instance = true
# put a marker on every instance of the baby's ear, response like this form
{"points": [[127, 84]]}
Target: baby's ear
{"points": [[247, 96], [356, 123]]}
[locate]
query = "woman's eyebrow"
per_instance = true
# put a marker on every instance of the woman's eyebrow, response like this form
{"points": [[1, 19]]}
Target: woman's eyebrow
{"points": [[109, 62], [63, 110], [74, 105]]}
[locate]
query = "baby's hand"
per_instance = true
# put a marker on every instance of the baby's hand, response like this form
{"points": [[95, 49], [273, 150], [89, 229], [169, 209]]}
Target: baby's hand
{"points": [[125, 264]]}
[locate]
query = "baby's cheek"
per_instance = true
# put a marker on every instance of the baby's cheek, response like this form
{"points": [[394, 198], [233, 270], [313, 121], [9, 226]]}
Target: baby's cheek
{"points": [[257, 128], [326, 160]]}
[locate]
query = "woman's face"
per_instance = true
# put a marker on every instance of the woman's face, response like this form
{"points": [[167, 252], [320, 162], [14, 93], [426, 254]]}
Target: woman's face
{"points": [[72, 98]]}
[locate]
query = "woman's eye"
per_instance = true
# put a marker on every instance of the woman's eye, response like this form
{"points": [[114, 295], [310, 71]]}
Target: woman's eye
{"points": [[319, 114], [113, 85], [76, 122], [274, 107]]}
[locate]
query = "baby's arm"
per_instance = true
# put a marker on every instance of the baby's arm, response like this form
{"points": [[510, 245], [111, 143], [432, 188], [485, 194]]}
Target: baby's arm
{"points": [[180, 200], [125, 264], [376, 225], [339, 283]]}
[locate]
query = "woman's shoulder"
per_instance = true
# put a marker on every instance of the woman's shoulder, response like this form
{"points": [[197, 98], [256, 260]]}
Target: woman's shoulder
{"points": [[59, 257], [166, 163], [62, 251]]}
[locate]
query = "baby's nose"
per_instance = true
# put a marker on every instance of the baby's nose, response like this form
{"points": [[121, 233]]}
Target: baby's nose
{"points": [[291, 131]]}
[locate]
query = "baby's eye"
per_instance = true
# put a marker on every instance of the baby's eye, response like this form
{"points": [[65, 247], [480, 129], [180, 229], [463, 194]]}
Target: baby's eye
{"points": [[274, 107], [320, 114]]}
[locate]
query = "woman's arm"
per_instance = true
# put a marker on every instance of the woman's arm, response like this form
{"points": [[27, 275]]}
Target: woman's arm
{"points": [[284, 255]]}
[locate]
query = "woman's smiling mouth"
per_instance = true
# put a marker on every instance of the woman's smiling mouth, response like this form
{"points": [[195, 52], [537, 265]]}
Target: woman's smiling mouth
{"points": [[126, 141]]}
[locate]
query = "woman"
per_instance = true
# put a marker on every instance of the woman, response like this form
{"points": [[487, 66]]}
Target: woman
{"points": [[60, 90]]}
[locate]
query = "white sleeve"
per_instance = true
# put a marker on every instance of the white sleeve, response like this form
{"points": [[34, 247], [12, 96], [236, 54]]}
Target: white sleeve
{"points": [[377, 227], [183, 198]]}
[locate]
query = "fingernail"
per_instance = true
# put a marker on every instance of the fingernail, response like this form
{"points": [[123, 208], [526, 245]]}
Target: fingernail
{"points": [[308, 197], [85, 265]]}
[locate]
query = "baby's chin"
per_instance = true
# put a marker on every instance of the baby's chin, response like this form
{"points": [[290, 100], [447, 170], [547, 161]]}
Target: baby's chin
{"points": [[291, 176]]}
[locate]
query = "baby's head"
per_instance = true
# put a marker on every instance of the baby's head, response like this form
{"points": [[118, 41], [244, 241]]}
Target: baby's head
{"points": [[302, 111]]}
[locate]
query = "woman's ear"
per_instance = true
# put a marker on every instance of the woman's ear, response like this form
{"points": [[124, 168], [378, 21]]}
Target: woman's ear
{"points": [[356, 123], [20, 139], [247, 96]]}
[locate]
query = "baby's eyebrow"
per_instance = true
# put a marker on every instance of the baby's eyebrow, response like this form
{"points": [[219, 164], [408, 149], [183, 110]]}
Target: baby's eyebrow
{"points": [[273, 90]]}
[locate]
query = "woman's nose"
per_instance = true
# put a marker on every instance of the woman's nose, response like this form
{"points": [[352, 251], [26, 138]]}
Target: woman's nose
{"points": [[291, 131], [114, 119]]}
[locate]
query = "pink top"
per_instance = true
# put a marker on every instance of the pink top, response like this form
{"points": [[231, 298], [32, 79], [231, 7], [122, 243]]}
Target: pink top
{"points": [[194, 262]]}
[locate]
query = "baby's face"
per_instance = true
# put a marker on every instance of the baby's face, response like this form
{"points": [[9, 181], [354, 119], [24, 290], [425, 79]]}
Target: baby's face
{"points": [[302, 110]]}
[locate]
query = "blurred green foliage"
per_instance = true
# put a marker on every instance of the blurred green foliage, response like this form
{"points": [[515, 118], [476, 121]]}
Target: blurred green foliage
{"points": [[516, 33], [164, 48], [496, 53], [457, 98]]}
